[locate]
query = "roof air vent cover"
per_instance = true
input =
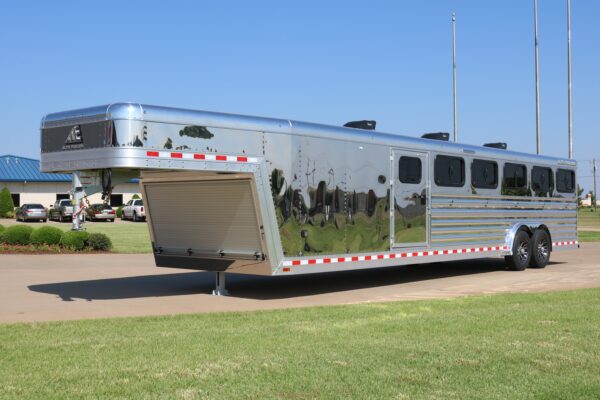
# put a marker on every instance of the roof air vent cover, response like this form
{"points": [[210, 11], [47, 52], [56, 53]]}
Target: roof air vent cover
{"points": [[368, 125], [445, 136], [498, 145]]}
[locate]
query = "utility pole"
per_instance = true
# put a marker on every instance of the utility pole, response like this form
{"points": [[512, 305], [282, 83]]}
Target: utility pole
{"points": [[454, 74], [538, 139], [569, 79], [594, 197]]}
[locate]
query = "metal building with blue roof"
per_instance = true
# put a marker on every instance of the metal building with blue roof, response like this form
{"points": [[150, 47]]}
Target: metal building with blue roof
{"points": [[22, 169], [22, 176]]}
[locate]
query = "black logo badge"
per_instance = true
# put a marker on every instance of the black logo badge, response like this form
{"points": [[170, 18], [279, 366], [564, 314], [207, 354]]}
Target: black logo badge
{"points": [[75, 139]]}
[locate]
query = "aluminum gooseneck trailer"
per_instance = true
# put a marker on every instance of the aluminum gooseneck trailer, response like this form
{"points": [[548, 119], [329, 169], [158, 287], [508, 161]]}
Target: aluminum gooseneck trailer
{"points": [[269, 196]]}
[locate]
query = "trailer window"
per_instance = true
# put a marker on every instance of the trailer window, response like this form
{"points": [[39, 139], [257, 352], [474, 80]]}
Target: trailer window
{"points": [[484, 174], [409, 170], [514, 180], [565, 181], [542, 181], [449, 171]]}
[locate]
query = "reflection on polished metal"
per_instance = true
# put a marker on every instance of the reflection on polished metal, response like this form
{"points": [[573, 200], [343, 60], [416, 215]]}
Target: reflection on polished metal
{"points": [[273, 196]]}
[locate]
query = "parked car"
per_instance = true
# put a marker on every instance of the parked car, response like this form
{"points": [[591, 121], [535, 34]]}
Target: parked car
{"points": [[31, 212], [134, 210], [100, 212], [61, 210]]}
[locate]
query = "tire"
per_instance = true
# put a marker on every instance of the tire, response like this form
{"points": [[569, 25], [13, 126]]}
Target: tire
{"points": [[540, 249], [60, 218], [521, 252], [135, 217], [44, 220], [111, 220]]}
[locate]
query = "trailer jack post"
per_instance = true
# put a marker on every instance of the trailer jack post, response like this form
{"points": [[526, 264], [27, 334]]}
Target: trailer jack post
{"points": [[77, 215], [220, 284]]}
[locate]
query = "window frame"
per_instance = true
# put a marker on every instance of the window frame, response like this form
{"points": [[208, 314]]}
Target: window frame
{"points": [[420, 170], [449, 157], [504, 175], [551, 183], [574, 180], [496, 173]]}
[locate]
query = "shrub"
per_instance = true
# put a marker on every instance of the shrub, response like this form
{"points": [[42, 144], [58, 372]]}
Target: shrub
{"points": [[6, 204], [16, 234], [120, 212], [1, 228], [46, 235], [74, 240], [135, 196], [99, 241]]}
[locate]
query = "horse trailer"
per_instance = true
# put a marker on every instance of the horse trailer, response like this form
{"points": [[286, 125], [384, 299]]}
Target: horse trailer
{"points": [[240, 194]]}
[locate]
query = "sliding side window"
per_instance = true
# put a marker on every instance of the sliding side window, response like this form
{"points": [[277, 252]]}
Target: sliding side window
{"points": [[484, 174], [449, 171]]}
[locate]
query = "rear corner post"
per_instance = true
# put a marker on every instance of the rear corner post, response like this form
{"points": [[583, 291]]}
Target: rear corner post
{"points": [[77, 189], [220, 284]]}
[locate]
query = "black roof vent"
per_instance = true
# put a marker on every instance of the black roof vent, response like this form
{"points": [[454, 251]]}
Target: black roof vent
{"points": [[368, 125], [498, 145], [445, 136]]}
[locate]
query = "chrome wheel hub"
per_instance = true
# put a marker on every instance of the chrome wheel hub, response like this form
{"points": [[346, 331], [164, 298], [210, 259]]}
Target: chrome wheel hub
{"points": [[523, 251], [542, 250]]}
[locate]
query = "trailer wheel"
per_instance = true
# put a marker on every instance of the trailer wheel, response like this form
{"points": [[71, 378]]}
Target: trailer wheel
{"points": [[521, 252], [540, 249]]}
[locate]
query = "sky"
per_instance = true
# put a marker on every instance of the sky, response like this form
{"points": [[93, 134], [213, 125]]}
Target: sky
{"points": [[326, 62]]}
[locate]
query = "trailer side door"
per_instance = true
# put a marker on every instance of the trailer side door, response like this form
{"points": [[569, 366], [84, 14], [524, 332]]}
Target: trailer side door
{"points": [[409, 218]]}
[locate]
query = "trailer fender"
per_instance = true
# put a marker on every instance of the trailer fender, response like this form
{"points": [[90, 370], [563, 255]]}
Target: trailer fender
{"points": [[528, 227]]}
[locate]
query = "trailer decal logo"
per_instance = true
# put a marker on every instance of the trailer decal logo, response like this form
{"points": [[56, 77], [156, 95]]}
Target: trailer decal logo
{"points": [[201, 157], [74, 139]]}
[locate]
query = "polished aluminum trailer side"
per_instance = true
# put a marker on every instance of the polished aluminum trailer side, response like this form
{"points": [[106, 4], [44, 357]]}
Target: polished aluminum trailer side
{"points": [[270, 196]]}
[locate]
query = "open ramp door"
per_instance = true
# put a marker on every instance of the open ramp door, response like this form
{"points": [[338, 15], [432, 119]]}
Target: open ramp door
{"points": [[205, 221]]}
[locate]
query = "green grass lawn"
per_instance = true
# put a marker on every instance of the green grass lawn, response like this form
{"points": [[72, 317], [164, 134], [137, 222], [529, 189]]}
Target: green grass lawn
{"points": [[126, 237], [511, 346], [588, 236], [588, 219]]}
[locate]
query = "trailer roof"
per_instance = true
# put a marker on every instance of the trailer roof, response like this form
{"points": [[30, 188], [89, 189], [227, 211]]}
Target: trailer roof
{"points": [[151, 113]]}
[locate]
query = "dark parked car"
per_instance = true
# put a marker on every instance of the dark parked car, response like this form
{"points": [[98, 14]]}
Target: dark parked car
{"points": [[100, 212], [31, 212], [62, 210]]}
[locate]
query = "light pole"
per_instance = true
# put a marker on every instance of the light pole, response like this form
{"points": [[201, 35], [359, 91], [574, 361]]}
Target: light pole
{"points": [[454, 74], [569, 79], [538, 139]]}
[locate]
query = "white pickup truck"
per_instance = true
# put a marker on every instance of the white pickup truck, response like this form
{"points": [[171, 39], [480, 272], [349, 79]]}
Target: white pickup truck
{"points": [[134, 210]]}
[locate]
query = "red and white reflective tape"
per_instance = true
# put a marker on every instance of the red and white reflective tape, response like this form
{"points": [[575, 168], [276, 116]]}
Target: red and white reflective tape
{"points": [[177, 155], [387, 256], [572, 242]]}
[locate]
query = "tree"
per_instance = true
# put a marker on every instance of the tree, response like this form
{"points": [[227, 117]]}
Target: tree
{"points": [[7, 205], [135, 196], [579, 193]]}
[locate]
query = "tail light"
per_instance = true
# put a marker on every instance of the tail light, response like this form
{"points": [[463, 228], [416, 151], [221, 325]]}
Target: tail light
{"points": [[111, 212], [28, 211], [142, 209]]}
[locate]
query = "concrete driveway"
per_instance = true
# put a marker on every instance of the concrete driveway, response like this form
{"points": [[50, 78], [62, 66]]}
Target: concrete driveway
{"points": [[63, 287]]}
